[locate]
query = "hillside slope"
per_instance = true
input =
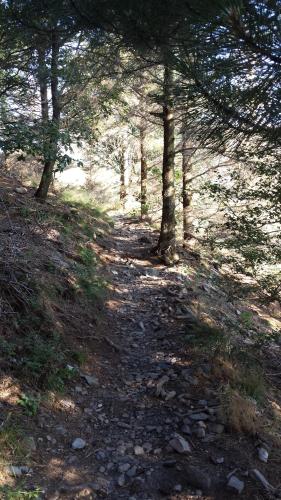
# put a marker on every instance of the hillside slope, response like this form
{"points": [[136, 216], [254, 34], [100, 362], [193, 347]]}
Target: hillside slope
{"points": [[122, 378]]}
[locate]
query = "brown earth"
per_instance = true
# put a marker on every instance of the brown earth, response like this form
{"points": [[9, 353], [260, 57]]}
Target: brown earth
{"points": [[141, 331]]}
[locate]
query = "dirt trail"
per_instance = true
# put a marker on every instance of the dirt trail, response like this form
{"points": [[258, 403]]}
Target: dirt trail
{"points": [[126, 425], [148, 417]]}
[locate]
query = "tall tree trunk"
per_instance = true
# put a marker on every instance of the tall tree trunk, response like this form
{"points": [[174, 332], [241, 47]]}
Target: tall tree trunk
{"points": [[186, 188], [167, 238], [51, 142], [144, 208], [122, 192]]}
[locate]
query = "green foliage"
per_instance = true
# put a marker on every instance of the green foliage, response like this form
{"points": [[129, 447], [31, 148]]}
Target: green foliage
{"points": [[91, 284], [44, 361], [246, 318], [250, 375], [88, 256], [7, 349], [271, 284], [207, 338], [11, 441], [57, 380], [19, 493], [30, 404], [79, 357], [252, 384]]}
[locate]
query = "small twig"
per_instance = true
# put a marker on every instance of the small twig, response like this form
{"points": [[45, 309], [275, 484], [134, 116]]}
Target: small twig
{"points": [[114, 346]]}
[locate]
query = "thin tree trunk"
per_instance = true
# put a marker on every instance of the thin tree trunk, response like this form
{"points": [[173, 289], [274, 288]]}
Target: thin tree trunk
{"points": [[51, 143], [122, 192], [144, 208], [167, 243], [186, 188]]}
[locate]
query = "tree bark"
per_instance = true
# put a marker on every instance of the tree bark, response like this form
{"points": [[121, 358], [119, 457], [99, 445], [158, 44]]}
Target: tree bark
{"points": [[167, 239], [144, 207], [186, 188], [122, 192], [52, 130]]}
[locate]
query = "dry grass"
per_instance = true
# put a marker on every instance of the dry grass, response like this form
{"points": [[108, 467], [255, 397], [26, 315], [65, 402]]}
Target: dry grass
{"points": [[240, 413]]}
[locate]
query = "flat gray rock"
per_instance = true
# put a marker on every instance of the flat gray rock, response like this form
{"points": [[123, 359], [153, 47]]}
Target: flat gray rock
{"points": [[179, 444], [78, 444], [235, 484]]}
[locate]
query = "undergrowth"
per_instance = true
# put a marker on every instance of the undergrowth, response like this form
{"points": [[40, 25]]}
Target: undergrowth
{"points": [[11, 441], [19, 493], [33, 348], [240, 372]]}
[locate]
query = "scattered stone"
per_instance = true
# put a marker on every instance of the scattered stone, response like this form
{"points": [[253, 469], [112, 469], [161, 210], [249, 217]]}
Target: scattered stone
{"points": [[138, 450], [18, 470], [147, 447], [178, 488], [124, 467], [123, 425], [91, 380], [60, 429], [121, 480], [170, 395], [157, 451], [199, 416], [201, 424], [235, 484], [263, 454], [200, 432], [186, 429], [78, 444], [179, 444], [132, 471], [260, 477], [21, 190], [203, 402], [217, 460], [100, 455], [160, 384]]}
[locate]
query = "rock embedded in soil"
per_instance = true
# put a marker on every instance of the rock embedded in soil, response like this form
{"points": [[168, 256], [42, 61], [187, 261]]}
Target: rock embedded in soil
{"points": [[199, 416], [78, 444], [263, 454], [235, 484], [170, 395], [132, 471], [124, 467], [186, 429], [18, 470], [91, 380], [217, 460], [159, 387], [121, 480], [179, 444], [178, 488], [138, 450], [21, 190], [200, 432]]}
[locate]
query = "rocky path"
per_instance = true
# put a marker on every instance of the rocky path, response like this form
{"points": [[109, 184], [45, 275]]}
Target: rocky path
{"points": [[147, 427]]}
